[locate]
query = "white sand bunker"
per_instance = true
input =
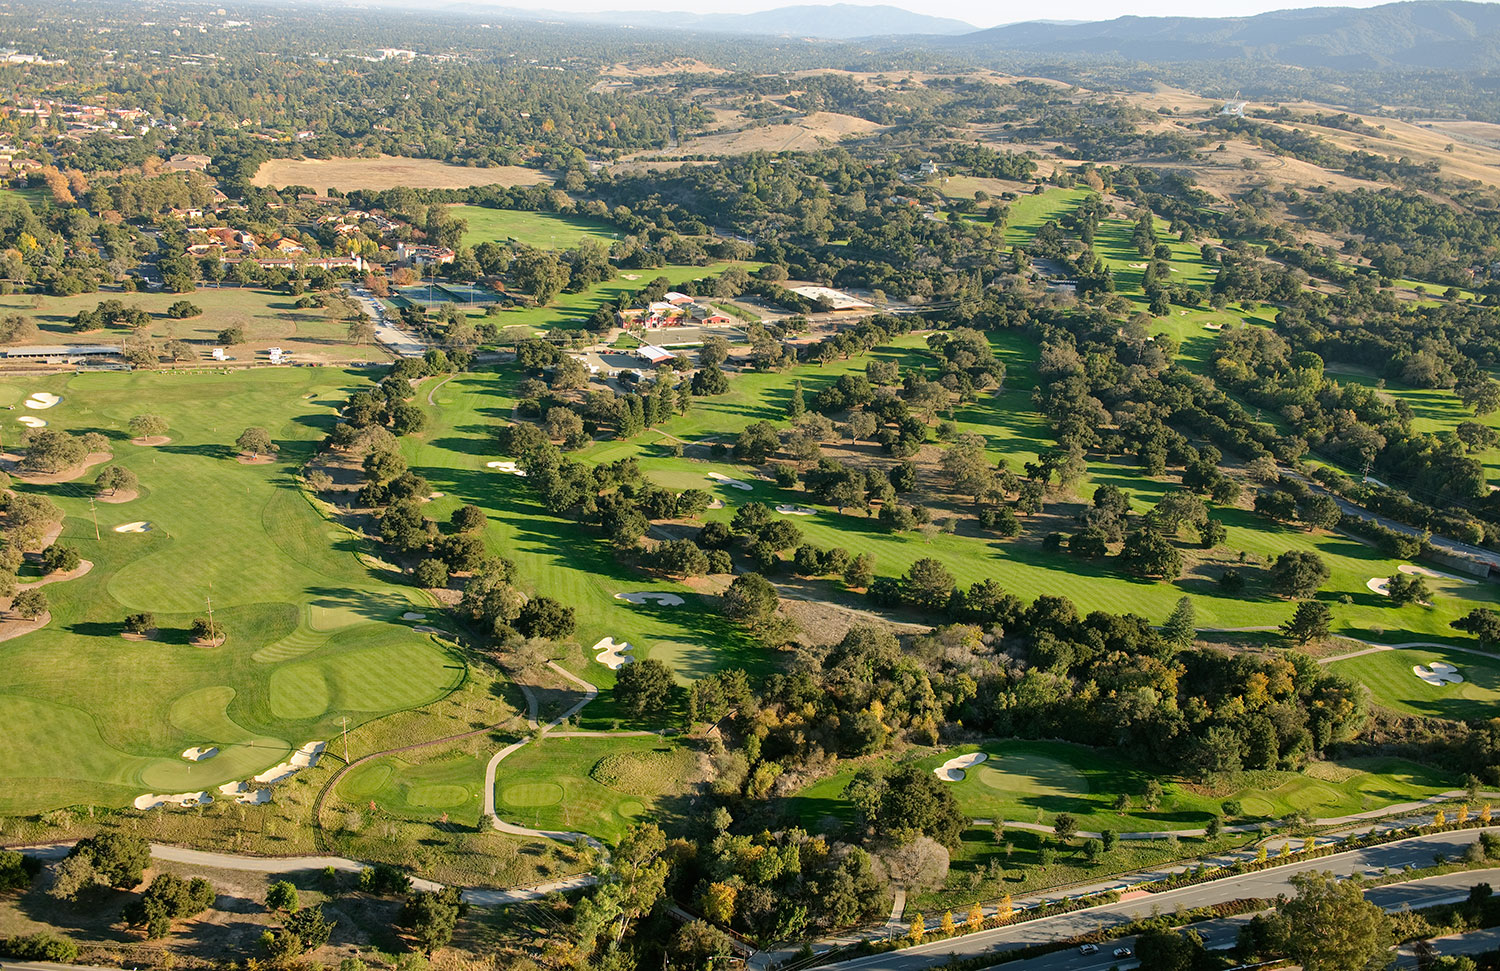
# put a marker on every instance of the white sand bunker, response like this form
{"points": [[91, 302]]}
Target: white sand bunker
{"points": [[200, 752], [244, 795], [1213, 326], [183, 799], [787, 510], [1411, 569], [661, 599], [304, 758], [507, 467], [32, 421], [723, 479], [612, 653], [716, 504], [42, 399], [436, 495], [139, 527], [953, 769], [413, 615], [1379, 585], [1438, 673]]}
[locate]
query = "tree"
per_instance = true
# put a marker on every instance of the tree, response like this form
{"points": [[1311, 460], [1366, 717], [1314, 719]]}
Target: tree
{"points": [[1403, 590], [1161, 948], [282, 895], [1181, 626], [710, 381], [361, 329], [1483, 623], [119, 860], [52, 450], [861, 571], [206, 631], [431, 917], [148, 426], [29, 604], [183, 309], [644, 688], [169, 898], [1147, 553], [545, 617], [639, 871], [468, 518], [1065, 826], [300, 932], [698, 945], [256, 441], [921, 864], [750, 600], [757, 443], [431, 574], [17, 870], [113, 480], [232, 335], [1330, 926], [1298, 573], [927, 585], [60, 558], [141, 623]]}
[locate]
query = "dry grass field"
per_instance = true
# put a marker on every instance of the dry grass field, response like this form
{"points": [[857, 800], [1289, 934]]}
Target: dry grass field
{"points": [[388, 172]]}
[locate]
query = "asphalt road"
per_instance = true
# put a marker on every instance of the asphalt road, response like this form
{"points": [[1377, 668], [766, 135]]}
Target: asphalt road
{"points": [[1417, 851]]}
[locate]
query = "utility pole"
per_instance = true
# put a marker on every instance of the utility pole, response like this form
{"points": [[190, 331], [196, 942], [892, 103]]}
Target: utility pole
{"points": [[93, 509], [346, 739], [210, 598]]}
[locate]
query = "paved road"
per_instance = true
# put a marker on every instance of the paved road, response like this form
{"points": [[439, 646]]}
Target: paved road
{"points": [[1268, 883], [396, 340], [1474, 942], [1445, 543]]}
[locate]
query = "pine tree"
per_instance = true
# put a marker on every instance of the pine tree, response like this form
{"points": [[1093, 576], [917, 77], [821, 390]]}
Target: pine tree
{"points": [[797, 407], [1182, 624]]}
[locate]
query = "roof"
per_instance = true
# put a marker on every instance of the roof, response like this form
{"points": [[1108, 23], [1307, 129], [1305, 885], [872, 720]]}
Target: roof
{"points": [[61, 350], [654, 354]]}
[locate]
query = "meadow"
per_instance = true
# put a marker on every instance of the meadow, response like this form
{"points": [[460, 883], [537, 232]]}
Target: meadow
{"points": [[388, 172], [314, 633], [267, 319], [539, 230]]}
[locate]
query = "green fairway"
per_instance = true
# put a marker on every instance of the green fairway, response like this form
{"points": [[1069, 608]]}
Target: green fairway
{"points": [[1033, 781], [314, 634], [1391, 681], [540, 230], [448, 786], [1028, 213], [592, 785]]}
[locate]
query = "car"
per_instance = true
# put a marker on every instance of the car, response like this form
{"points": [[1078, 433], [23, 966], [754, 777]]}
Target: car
{"points": [[1122, 952], [1089, 949]]}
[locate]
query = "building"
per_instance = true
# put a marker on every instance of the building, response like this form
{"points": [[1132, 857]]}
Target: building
{"points": [[676, 299], [187, 163], [928, 168], [218, 354], [652, 354], [420, 254], [61, 353], [278, 356], [835, 299]]}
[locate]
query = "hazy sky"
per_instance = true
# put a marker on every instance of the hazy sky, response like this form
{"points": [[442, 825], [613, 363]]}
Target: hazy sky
{"points": [[981, 13]]}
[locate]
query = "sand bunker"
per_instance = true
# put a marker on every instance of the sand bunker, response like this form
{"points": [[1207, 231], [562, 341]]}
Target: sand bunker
{"points": [[245, 795], [1411, 569], [716, 504], [436, 495], [42, 399], [612, 653], [1438, 673], [140, 527], [183, 799], [200, 752], [413, 615], [32, 421], [787, 510], [507, 467], [1379, 585], [723, 479], [304, 758], [953, 769], [1213, 326], [662, 599]]}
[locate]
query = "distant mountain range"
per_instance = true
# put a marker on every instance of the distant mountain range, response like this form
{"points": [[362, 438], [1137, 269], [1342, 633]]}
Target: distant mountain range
{"points": [[837, 21], [1432, 34]]}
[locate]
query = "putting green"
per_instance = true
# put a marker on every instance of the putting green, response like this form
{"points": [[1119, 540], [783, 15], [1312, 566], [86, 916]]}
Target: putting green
{"points": [[438, 796], [525, 794], [365, 780], [1034, 775]]}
